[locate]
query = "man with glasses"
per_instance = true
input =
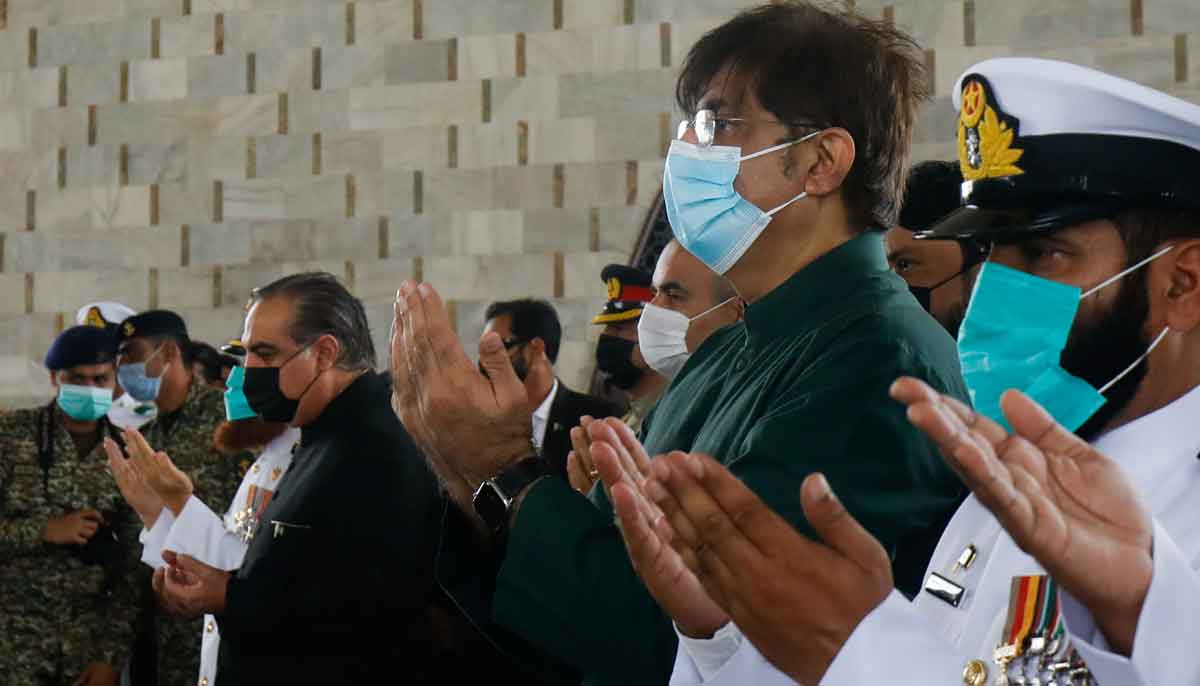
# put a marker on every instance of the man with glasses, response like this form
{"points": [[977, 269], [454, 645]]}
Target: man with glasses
{"points": [[785, 178], [154, 360], [531, 334]]}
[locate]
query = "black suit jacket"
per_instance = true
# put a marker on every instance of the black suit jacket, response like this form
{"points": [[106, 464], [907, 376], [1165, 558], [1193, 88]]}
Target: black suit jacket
{"points": [[337, 585], [565, 411]]}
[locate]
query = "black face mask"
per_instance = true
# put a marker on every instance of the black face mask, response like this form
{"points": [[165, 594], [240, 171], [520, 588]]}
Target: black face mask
{"points": [[614, 357], [262, 392], [1100, 351]]}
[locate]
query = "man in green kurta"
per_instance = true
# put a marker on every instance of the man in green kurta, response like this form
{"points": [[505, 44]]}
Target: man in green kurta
{"points": [[800, 386]]}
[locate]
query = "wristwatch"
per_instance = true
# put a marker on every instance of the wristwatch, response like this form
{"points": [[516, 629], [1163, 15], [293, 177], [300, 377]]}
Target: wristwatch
{"points": [[493, 500]]}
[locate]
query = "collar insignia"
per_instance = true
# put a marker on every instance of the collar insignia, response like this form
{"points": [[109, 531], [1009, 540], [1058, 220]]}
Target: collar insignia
{"points": [[985, 134]]}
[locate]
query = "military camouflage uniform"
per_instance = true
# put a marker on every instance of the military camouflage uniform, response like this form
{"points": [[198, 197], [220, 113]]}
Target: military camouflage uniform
{"points": [[57, 612], [187, 437]]}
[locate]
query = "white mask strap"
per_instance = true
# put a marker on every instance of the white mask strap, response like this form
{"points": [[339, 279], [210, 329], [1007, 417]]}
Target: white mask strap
{"points": [[1138, 361], [781, 146], [1118, 277], [714, 308], [771, 213]]}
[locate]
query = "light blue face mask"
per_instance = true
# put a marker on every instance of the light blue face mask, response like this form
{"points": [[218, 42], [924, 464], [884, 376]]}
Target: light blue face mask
{"points": [[85, 403], [1013, 336], [133, 379], [710, 219], [236, 405]]}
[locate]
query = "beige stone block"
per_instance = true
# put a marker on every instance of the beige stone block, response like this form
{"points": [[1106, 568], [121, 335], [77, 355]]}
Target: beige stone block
{"points": [[618, 228], [631, 137], [448, 190], [395, 107], [279, 71], [93, 84], [686, 10], [952, 62], [188, 288], [20, 170], [57, 127], [937, 121], [1172, 16], [487, 232], [379, 280], [216, 75], [557, 230], [358, 152], [247, 115], [397, 192], [318, 112], [82, 208], [217, 158], [188, 202], [87, 166], [157, 123], [252, 31], [16, 132], [66, 291], [597, 184], [12, 294], [81, 250], [496, 277], [685, 33], [370, 200], [99, 43], [149, 163], [278, 157], [215, 325], [219, 244], [214, 6], [446, 18], [643, 92], [528, 99], [576, 360], [26, 335], [255, 199], [417, 62], [581, 272], [578, 14], [383, 23], [932, 24], [311, 24], [148, 9], [562, 140], [487, 57], [418, 147], [649, 180], [487, 145], [190, 36], [315, 196], [423, 235], [561, 52], [158, 80], [627, 48], [238, 281], [29, 89], [301, 240], [1149, 60], [1023, 23], [23, 14], [358, 66]]}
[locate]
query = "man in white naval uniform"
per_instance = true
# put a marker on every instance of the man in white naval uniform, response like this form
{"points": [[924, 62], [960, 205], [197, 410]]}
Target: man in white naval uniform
{"points": [[196, 530], [1078, 178]]}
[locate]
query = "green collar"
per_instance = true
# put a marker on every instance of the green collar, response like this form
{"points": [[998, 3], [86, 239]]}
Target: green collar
{"points": [[803, 302]]}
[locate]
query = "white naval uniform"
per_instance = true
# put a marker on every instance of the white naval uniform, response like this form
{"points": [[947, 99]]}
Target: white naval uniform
{"points": [[928, 642], [217, 542]]}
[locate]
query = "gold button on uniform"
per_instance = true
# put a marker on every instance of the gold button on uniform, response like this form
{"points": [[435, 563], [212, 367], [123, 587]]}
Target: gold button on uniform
{"points": [[203, 681], [975, 673], [254, 468], [210, 627]]}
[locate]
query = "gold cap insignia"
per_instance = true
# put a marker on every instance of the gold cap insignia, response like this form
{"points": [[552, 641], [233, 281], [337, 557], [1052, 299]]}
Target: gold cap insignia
{"points": [[985, 134], [614, 288], [128, 329], [94, 318]]}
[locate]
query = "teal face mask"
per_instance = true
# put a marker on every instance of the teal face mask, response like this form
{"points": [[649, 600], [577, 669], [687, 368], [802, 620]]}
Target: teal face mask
{"points": [[1013, 336], [84, 403], [236, 405]]}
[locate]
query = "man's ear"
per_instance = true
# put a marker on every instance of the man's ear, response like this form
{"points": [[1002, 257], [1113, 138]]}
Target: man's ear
{"points": [[835, 156], [328, 350], [54, 379], [1180, 282]]}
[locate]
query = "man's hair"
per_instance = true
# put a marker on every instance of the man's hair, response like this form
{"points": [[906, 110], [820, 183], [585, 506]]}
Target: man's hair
{"points": [[531, 319], [321, 305], [828, 68], [934, 190], [1144, 230], [212, 361]]}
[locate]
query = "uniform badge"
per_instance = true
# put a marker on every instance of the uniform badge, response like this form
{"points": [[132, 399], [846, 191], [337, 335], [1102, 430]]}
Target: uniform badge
{"points": [[94, 318], [128, 329], [985, 134]]}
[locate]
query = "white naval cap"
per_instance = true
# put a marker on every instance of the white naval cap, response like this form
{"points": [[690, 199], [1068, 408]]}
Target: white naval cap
{"points": [[1043, 144], [103, 314]]}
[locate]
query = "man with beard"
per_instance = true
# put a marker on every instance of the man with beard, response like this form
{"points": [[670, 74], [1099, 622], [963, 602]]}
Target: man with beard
{"points": [[939, 273], [531, 334], [1054, 571], [618, 355]]}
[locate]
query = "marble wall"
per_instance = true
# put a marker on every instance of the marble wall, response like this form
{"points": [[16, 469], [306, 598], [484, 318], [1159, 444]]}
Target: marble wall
{"points": [[176, 153]]}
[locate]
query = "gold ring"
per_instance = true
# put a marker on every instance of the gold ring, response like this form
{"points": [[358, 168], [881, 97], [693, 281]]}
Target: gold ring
{"points": [[593, 473]]}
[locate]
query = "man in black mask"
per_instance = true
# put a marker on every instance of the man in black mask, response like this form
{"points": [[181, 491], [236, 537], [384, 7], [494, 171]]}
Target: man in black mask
{"points": [[532, 333], [618, 356]]}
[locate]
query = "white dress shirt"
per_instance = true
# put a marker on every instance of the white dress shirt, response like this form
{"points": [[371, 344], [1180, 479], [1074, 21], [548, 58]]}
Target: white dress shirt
{"points": [[216, 541], [927, 641], [541, 416]]}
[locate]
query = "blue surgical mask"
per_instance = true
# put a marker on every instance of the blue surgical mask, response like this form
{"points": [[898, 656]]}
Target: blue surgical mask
{"points": [[1013, 336], [236, 405], [133, 379], [85, 403], [710, 219]]}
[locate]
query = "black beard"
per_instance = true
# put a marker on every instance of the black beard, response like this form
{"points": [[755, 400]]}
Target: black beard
{"points": [[1098, 351]]}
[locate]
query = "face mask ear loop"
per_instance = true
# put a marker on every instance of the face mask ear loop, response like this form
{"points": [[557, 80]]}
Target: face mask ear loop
{"points": [[714, 308], [1138, 361], [781, 146], [1111, 280]]}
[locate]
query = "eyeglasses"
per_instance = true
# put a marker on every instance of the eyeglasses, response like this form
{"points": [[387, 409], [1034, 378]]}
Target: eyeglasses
{"points": [[706, 124]]}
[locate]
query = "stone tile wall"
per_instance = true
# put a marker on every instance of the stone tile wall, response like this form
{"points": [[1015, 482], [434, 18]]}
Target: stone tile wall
{"points": [[176, 153]]}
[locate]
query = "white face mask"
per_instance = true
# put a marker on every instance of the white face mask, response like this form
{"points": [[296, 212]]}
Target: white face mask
{"points": [[662, 337]]}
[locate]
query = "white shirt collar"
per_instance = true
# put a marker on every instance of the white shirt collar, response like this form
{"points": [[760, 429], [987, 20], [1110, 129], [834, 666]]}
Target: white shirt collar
{"points": [[541, 416], [1152, 448]]}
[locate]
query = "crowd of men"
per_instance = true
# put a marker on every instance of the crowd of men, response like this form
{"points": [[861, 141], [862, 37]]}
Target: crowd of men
{"points": [[931, 425]]}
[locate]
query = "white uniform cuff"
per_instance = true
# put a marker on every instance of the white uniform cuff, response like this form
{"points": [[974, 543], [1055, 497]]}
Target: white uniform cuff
{"points": [[153, 540]]}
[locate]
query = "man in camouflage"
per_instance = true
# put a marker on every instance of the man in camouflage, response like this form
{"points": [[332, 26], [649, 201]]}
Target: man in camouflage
{"points": [[155, 357], [70, 590]]}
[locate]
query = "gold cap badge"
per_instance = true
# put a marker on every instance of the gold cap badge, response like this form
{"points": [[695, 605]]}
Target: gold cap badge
{"points": [[985, 134]]}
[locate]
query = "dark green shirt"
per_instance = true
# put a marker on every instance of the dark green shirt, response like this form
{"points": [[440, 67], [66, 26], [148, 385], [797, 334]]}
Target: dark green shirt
{"points": [[800, 386]]}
